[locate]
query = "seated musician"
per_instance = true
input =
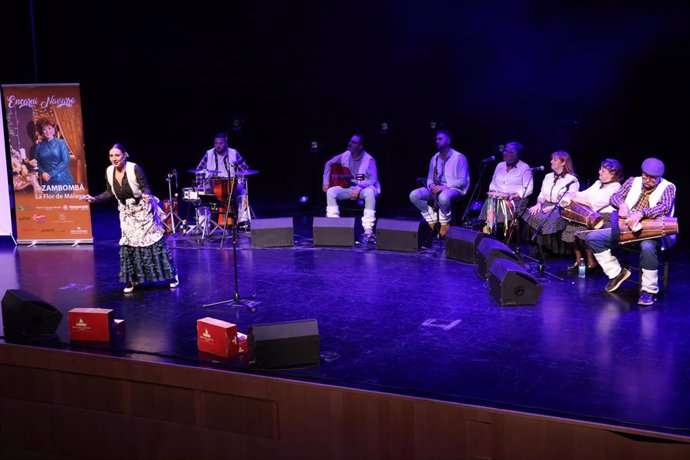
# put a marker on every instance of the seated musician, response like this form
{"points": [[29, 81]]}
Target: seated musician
{"points": [[448, 180], [510, 185], [352, 175], [544, 217], [221, 162], [596, 199], [643, 197]]}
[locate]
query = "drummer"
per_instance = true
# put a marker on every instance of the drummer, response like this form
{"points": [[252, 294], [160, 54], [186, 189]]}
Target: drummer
{"points": [[221, 162], [511, 183], [643, 197], [597, 199]]}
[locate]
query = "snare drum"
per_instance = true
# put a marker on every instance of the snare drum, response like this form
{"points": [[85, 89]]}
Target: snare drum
{"points": [[190, 194], [582, 214], [647, 229]]}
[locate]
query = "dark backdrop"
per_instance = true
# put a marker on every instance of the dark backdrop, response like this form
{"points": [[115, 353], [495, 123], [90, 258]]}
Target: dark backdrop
{"points": [[599, 79]]}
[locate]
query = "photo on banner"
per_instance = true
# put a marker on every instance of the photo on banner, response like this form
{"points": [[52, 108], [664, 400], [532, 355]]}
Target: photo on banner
{"points": [[5, 215], [46, 148]]}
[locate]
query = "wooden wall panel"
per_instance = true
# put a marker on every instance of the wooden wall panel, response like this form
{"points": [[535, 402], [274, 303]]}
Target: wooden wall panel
{"points": [[163, 402], [61, 404], [250, 416]]}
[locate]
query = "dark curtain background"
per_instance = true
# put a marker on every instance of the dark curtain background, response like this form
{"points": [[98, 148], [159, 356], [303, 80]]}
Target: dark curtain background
{"points": [[602, 79]]}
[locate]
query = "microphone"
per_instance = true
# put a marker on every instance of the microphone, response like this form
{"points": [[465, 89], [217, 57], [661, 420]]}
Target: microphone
{"points": [[537, 168], [491, 158], [175, 174], [567, 186]]}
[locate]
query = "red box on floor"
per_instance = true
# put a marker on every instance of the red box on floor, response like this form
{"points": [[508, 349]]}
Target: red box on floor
{"points": [[90, 324], [242, 344], [217, 337]]}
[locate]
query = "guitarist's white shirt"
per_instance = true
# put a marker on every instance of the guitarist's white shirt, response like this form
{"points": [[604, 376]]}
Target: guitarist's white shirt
{"points": [[367, 168]]}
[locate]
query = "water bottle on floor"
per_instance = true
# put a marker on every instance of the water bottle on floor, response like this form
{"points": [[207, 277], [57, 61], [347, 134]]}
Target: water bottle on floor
{"points": [[582, 269]]}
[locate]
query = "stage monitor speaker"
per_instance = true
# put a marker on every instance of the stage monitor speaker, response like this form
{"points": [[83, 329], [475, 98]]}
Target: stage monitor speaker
{"points": [[272, 233], [510, 284], [461, 244], [489, 249], [26, 317], [334, 231], [401, 235], [284, 345]]}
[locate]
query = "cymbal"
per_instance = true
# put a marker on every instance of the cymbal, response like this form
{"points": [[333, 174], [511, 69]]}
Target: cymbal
{"points": [[246, 172], [199, 171]]}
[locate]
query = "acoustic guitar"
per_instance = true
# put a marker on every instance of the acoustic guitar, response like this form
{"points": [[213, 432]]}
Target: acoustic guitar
{"points": [[341, 176]]}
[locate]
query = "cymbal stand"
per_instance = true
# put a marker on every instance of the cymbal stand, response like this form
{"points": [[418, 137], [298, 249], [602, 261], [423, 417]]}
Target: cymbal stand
{"points": [[246, 207], [171, 215], [208, 225], [236, 300]]}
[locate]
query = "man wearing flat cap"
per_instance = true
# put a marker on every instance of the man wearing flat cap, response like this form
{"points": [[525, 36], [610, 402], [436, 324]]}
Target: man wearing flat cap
{"points": [[643, 197]]}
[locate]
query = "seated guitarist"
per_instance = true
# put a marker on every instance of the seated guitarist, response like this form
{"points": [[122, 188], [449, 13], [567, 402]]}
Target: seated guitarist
{"points": [[352, 175]]}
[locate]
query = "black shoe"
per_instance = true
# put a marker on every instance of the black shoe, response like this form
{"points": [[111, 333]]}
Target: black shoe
{"points": [[646, 298], [615, 283]]}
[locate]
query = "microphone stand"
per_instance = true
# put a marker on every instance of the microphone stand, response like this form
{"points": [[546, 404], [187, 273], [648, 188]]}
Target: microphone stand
{"points": [[171, 214], [538, 231], [236, 300], [539, 249], [515, 222], [231, 185], [318, 173], [463, 221]]}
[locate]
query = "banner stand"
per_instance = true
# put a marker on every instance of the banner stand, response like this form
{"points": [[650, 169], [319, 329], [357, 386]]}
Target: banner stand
{"points": [[5, 214], [45, 137]]}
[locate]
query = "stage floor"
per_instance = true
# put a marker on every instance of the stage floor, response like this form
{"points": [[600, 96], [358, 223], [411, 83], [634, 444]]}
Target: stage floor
{"points": [[407, 323]]}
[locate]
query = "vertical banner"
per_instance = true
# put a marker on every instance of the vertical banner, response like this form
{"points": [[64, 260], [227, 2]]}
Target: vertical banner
{"points": [[5, 215], [46, 140]]}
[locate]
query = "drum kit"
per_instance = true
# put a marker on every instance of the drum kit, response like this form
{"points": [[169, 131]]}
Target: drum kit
{"points": [[212, 196]]}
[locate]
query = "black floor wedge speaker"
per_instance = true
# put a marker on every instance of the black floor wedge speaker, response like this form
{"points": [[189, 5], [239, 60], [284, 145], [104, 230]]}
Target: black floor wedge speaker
{"points": [[511, 285], [26, 317], [461, 244], [273, 233], [334, 231], [489, 249], [284, 345], [400, 235]]}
